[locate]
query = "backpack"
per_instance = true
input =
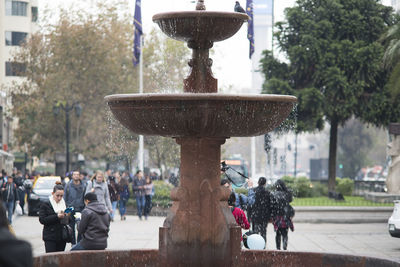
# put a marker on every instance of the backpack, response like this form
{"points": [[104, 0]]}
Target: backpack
{"points": [[124, 195]]}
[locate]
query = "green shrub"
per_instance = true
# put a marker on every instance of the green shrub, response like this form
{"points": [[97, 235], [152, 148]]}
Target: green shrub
{"points": [[303, 187], [344, 186], [241, 190], [289, 181], [162, 194], [319, 189]]}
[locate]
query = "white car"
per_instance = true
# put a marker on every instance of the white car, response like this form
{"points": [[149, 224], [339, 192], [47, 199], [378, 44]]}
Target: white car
{"points": [[394, 220]]}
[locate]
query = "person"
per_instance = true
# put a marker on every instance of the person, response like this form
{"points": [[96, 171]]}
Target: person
{"points": [[261, 208], [19, 181], [83, 176], [13, 252], [123, 196], [238, 213], [94, 225], [10, 197], [114, 195], [282, 213], [148, 188], [52, 216], [241, 200], [98, 185], [138, 191], [73, 196]]}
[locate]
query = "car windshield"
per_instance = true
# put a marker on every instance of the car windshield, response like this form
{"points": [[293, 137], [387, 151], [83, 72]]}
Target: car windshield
{"points": [[45, 183]]}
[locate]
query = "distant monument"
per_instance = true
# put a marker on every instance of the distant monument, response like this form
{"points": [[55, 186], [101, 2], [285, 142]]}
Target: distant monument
{"points": [[393, 178]]}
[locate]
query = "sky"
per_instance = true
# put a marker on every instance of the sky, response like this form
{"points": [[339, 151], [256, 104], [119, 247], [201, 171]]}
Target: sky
{"points": [[231, 66]]}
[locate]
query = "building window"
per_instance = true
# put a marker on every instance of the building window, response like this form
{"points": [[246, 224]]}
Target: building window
{"points": [[15, 38], [16, 8], [34, 11], [15, 69]]}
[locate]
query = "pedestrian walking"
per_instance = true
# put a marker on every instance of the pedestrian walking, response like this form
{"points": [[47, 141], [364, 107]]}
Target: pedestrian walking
{"points": [[19, 181], [261, 209], [148, 188], [123, 196], [282, 213], [138, 192], [94, 225], [53, 217], [10, 197], [98, 185], [73, 196], [114, 195]]}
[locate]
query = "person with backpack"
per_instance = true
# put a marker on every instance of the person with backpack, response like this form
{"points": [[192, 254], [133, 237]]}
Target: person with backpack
{"points": [[10, 196], [282, 213], [261, 209], [238, 213], [73, 196], [123, 197]]}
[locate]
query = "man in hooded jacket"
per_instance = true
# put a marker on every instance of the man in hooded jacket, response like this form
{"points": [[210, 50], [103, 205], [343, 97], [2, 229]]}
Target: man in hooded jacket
{"points": [[94, 225]]}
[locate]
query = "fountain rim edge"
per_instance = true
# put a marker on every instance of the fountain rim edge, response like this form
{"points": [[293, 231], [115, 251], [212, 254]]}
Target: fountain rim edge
{"points": [[199, 96], [199, 14]]}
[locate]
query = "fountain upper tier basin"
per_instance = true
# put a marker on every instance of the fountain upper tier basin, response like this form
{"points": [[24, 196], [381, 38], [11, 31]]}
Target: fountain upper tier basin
{"points": [[202, 115], [200, 28]]}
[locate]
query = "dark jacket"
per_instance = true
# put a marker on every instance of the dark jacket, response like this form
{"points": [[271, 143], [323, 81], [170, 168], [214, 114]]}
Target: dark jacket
{"points": [[14, 252], [114, 192], [280, 201], [94, 226], [73, 195], [135, 186], [52, 230], [10, 194], [261, 209]]}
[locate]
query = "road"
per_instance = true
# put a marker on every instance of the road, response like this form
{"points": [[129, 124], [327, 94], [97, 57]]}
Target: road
{"points": [[358, 239]]}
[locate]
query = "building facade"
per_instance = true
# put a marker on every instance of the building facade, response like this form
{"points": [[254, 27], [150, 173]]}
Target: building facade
{"points": [[18, 19]]}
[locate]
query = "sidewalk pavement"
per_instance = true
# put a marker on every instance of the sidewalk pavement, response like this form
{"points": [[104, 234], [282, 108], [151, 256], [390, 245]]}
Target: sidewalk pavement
{"points": [[368, 239]]}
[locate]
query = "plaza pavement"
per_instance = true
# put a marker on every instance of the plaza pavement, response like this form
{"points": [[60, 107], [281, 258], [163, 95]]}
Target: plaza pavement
{"points": [[369, 239]]}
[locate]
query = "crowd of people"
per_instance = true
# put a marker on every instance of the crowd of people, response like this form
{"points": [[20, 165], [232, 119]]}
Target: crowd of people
{"points": [[263, 206]]}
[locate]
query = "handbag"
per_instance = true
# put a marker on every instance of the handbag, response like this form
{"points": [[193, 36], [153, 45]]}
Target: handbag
{"points": [[18, 210], [67, 233]]}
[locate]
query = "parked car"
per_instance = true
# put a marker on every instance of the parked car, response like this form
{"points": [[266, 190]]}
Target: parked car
{"points": [[41, 190], [394, 220]]}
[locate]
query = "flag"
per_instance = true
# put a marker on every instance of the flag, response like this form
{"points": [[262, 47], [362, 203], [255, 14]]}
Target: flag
{"points": [[250, 26], [137, 22]]}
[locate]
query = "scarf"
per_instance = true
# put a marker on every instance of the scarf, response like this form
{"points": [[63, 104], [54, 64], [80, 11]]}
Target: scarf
{"points": [[57, 207]]}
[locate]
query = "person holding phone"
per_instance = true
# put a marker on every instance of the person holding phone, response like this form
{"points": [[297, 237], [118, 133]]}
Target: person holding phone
{"points": [[52, 215]]}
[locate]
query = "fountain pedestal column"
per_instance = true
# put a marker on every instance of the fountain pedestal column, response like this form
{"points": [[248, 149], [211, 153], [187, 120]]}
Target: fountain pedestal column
{"points": [[200, 229]]}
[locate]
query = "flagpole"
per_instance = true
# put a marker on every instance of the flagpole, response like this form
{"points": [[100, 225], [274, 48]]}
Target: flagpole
{"points": [[141, 140]]}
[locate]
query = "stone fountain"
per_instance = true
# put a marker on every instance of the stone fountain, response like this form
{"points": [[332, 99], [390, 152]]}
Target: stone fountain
{"points": [[200, 229]]}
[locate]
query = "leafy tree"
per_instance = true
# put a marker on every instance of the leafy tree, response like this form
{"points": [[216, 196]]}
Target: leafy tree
{"points": [[82, 58], [334, 64]]}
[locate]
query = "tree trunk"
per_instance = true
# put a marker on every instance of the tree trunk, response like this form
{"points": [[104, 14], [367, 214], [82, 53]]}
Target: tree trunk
{"points": [[332, 155]]}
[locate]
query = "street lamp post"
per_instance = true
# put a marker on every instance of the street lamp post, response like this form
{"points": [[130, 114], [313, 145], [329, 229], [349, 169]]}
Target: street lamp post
{"points": [[67, 109]]}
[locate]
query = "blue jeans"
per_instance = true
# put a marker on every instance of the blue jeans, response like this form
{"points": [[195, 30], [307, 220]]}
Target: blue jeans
{"points": [[78, 246], [140, 201], [9, 206], [122, 207], [114, 208]]}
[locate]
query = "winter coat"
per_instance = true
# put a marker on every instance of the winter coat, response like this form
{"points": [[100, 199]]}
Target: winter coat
{"points": [[135, 187], [101, 191], [279, 201], [123, 192], [73, 195], [240, 218], [14, 252], [52, 230], [10, 192], [114, 195], [94, 226], [261, 209]]}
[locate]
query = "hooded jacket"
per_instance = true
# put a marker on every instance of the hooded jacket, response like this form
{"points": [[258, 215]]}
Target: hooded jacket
{"points": [[94, 226]]}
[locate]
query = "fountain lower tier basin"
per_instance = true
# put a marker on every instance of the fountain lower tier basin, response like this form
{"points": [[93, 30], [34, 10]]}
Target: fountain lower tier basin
{"points": [[202, 115], [253, 258], [200, 27]]}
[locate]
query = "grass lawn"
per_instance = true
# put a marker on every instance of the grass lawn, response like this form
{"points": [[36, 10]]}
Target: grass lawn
{"points": [[325, 201]]}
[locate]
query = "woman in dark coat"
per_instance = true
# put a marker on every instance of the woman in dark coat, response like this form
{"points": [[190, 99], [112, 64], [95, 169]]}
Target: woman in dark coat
{"points": [[52, 216], [282, 213]]}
